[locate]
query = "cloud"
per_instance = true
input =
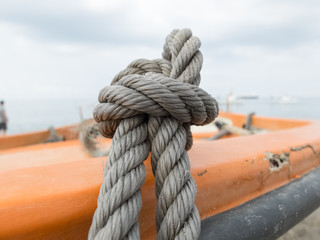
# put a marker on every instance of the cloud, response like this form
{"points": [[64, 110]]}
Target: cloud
{"points": [[78, 24], [272, 23], [59, 49]]}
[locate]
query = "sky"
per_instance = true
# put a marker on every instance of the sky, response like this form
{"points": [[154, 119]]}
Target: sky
{"points": [[71, 49]]}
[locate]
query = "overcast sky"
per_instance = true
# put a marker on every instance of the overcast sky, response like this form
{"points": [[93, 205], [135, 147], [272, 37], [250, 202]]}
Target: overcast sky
{"points": [[71, 49]]}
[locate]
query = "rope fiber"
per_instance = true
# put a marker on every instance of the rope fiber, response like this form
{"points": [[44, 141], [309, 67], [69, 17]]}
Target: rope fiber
{"points": [[149, 107]]}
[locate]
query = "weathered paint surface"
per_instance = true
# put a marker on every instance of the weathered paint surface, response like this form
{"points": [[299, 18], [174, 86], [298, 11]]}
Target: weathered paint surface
{"points": [[49, 191]]}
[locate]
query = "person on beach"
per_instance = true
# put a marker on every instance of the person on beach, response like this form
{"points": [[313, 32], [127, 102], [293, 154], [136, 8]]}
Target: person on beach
{"points": [[3, 119]]}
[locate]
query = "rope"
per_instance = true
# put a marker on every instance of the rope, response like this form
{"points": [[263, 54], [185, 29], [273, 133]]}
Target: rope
{"points": [[152, 102]]}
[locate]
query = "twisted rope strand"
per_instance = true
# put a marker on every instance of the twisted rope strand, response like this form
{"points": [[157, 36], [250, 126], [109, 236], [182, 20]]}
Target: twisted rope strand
{"points": [[119, 201], [176, 212], [175, 188]]}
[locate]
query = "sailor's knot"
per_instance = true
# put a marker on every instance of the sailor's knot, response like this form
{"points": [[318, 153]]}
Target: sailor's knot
{"points": [[155, 95], [161, 87]]}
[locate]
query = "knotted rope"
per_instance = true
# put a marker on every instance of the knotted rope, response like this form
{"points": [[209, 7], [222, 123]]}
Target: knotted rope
{"points": [[150, 106]]}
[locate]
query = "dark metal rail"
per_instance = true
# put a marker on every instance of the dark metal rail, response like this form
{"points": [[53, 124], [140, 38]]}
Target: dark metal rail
{"points": [[268, 216]]}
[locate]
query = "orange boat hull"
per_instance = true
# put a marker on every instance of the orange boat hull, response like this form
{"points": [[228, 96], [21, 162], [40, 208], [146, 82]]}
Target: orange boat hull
{"points": [[49, 191]]}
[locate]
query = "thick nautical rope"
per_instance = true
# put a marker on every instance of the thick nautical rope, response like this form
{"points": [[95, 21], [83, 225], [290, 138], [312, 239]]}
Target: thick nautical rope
{"points": [[152, 101], [177, 216]]}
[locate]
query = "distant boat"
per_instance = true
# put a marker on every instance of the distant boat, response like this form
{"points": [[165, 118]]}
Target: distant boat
{"points": [[249, 96], [233, 99], [285, 100], [230, 99]]}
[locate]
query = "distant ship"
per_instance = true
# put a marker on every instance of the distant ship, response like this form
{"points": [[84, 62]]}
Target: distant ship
{"points": [[233, 99], [249, 96], [230, 99], [285, 100]]}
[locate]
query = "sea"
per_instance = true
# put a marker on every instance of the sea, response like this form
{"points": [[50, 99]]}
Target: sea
{"points": [[32, 115]]}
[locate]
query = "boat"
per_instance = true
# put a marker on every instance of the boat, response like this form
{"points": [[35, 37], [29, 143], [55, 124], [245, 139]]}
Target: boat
{"points": [[252, 95], [285, 99], [230, 100], [257, 185]]}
